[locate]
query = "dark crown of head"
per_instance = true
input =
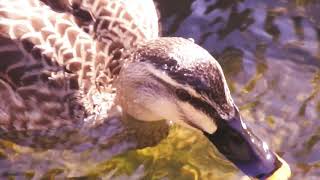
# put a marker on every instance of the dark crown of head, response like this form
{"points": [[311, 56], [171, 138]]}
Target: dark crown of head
{"points": [[204, 76]]}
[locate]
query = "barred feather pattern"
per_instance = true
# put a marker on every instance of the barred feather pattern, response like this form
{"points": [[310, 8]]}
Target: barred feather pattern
{"points": [[140, 17], [122, 21], [53, 73]]}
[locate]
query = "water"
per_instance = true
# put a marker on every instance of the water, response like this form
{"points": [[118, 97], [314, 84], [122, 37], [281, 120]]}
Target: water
{"points": [[270, 53]]}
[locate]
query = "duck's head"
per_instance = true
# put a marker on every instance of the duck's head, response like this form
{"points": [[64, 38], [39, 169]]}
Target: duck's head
{"points": [[176, 80]]}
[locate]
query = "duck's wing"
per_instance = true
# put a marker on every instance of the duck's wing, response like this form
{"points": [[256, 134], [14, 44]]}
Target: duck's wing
{"points": [[46, 51], [45, 58], [46, 62], [125, 22]]}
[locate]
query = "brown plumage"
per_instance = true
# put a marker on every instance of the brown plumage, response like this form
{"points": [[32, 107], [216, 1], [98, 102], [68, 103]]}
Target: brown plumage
{"points": [[50, 67]]}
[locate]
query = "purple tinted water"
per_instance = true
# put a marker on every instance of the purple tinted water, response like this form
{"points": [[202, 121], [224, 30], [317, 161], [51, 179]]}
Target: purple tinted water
{"points": [[270, 53]]}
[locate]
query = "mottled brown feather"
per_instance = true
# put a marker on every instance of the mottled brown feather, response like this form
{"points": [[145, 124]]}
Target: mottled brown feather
{"points": [[50, 67]]}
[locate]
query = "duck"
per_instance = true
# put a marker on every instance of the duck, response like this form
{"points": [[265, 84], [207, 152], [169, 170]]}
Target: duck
{"points": [[71, 62]]}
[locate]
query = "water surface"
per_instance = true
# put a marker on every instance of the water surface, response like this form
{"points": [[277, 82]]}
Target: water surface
{"points": [[270, 53]]}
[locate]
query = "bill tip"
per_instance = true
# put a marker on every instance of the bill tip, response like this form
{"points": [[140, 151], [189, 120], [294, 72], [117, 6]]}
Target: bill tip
{"points": [[283, 173]]}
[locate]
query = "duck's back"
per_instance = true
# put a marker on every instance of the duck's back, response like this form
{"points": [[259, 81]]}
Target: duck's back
{"points": [[53, 58], [123, 21]]}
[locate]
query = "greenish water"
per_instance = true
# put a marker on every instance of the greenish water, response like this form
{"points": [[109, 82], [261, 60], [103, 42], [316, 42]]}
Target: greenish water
{"points": [[270, 53]]}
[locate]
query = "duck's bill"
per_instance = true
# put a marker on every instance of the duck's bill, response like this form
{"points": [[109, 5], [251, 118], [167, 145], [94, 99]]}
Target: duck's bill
{"points": [[251, 155]]}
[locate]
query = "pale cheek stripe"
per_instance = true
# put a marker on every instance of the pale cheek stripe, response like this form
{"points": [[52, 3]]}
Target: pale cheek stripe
{"points": [[197, 103], [167, 79]]}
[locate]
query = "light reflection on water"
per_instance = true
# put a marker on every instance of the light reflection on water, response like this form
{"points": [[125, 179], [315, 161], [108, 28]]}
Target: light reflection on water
{"points": [[270, 53]]}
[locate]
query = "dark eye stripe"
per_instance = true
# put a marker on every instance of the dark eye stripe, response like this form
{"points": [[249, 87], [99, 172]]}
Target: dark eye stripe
{"points": [[204, 107], [196, 102], [183, 95]]}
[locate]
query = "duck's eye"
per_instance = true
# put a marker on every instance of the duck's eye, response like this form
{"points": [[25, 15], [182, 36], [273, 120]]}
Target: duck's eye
{"points": [[183, 95]]}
